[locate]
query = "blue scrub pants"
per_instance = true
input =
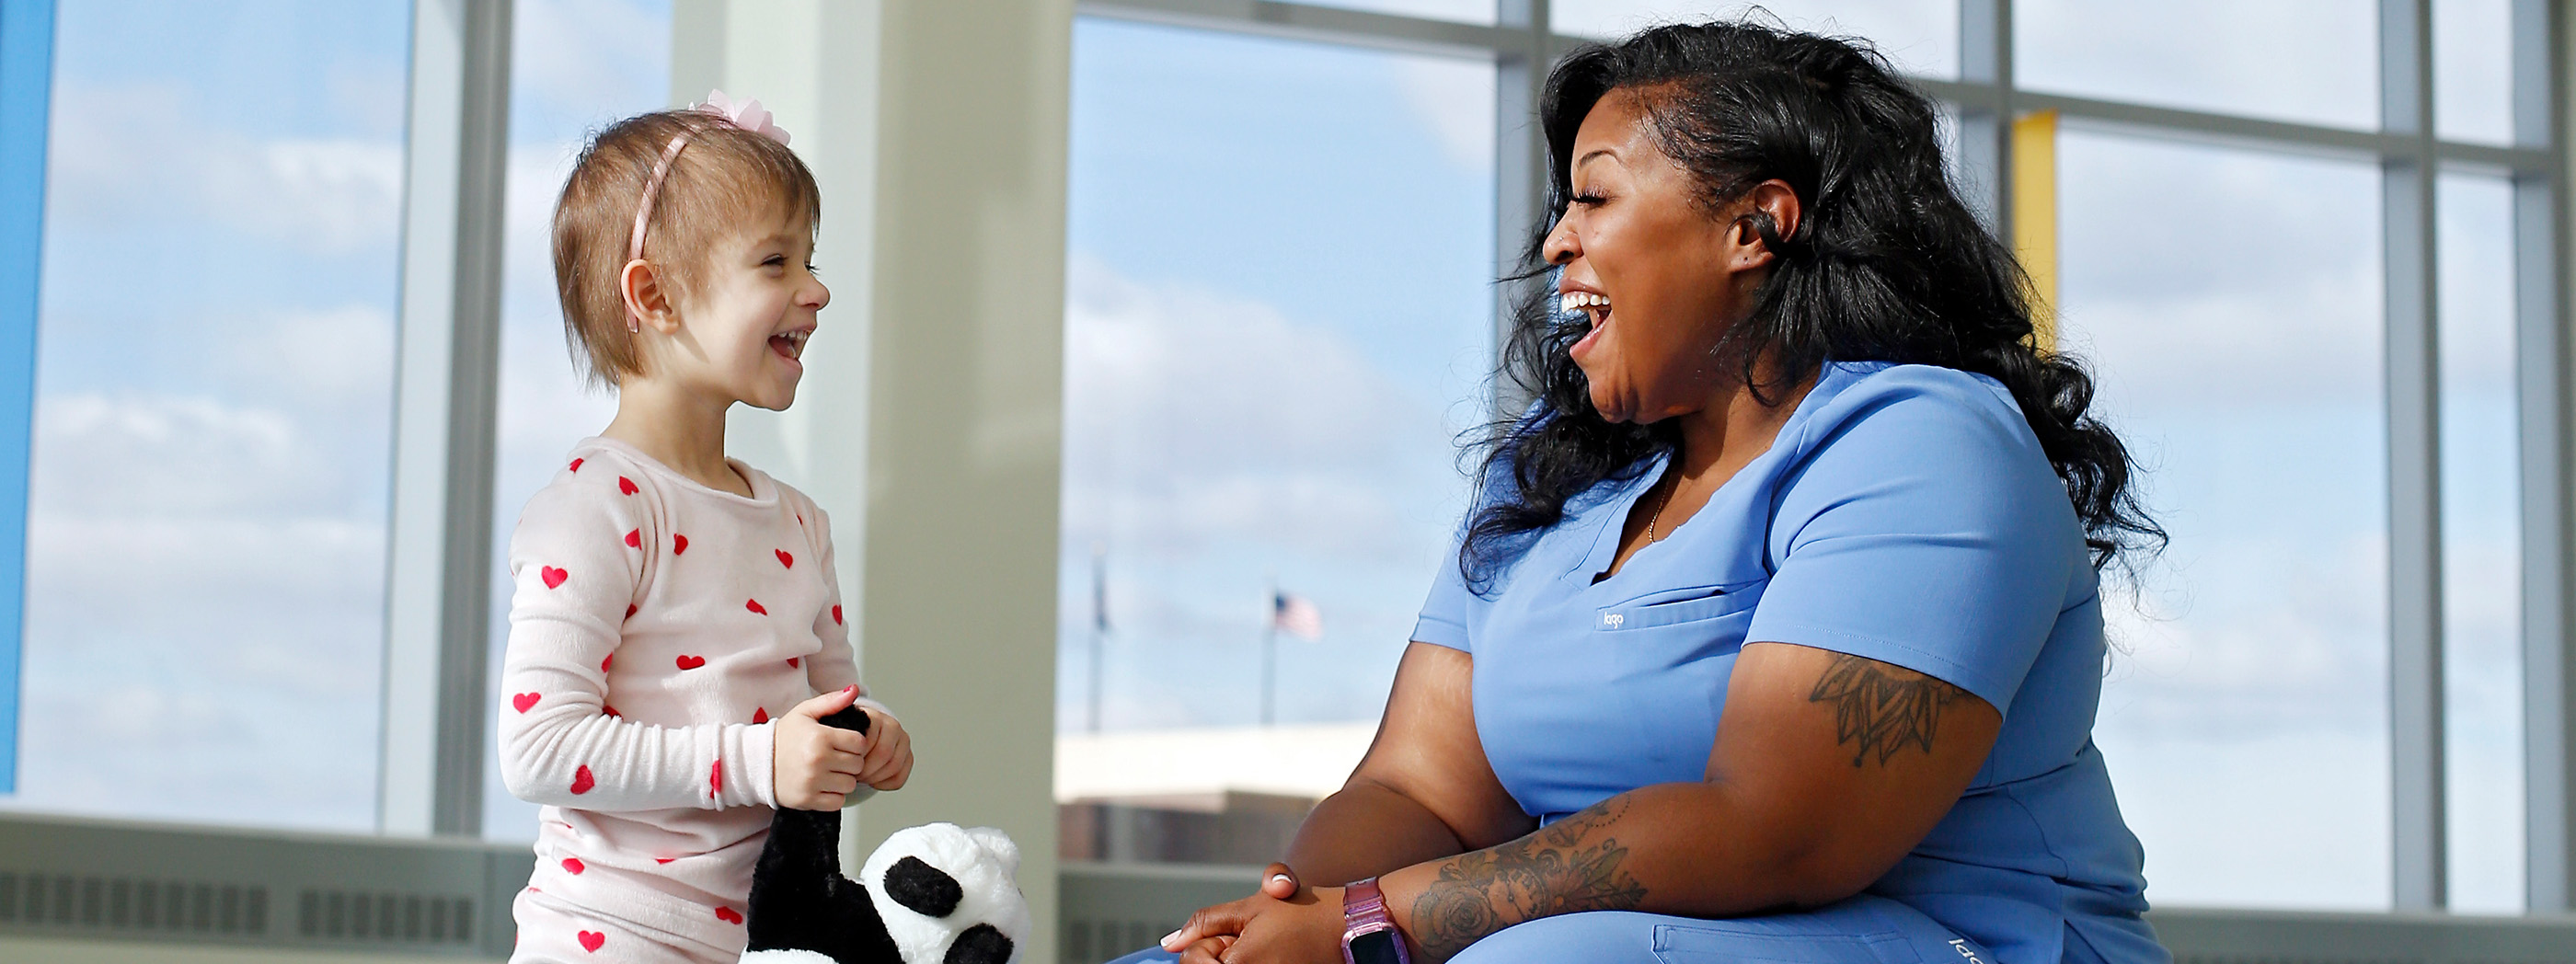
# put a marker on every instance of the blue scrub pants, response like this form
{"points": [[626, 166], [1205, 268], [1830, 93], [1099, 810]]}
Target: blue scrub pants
{"points": [[1862, 930]]}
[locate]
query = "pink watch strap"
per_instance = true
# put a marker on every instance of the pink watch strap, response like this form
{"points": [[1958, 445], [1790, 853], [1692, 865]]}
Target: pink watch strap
{"points": [[1364, 913]]}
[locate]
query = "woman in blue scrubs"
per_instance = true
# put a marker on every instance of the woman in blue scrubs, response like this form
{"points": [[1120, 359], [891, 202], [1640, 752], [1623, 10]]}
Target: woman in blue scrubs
{"points": [[1776, 633]]}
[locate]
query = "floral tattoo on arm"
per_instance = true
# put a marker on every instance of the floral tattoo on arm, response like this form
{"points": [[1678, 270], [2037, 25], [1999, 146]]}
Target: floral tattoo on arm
{"points": [[1883, 708], [1571, 865]]}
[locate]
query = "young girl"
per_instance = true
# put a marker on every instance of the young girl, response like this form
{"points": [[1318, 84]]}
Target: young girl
{"points": [[676, 611]]}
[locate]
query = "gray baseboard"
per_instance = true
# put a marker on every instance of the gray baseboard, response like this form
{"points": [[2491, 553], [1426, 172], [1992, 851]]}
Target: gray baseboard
{"points": [[63, 877], [70, 878]]}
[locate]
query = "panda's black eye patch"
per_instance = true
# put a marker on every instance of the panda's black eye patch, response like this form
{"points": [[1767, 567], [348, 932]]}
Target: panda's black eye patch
{"points": [[981, 944], [925, 889]]}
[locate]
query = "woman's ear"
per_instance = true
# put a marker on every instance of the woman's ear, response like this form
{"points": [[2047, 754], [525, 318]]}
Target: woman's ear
{"points": [[1775, 200], [646, 298]]}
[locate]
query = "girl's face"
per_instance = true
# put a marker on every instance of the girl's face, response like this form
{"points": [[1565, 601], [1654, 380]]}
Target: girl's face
{"points": [[744, 326], [1661, 280]]}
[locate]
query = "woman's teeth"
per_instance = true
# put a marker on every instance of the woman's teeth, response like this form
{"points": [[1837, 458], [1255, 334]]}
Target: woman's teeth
{"points": [[1573, 301], [791, 344]]}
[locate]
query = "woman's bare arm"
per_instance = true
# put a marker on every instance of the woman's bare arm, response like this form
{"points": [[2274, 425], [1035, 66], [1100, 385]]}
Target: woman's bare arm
{"points": [[1423, 792], [1827, 769]]}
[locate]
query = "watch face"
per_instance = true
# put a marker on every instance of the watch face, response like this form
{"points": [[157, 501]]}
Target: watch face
{"points": [[1376, 947]]}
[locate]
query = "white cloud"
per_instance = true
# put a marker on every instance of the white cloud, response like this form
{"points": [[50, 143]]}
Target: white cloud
{"points": [[2199, 278], [138, 153], [571, 56], [1456, 100], [1193, 417], [1920, 37], [2312, 60], [205, 574], [1213, 444]]}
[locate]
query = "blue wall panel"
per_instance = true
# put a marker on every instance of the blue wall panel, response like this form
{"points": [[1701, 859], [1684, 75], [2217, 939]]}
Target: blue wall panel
{"points": [[26, 84]]}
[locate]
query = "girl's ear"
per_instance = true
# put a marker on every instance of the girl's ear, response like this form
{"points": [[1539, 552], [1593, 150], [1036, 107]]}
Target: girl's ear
{"points": [[641, 287]]}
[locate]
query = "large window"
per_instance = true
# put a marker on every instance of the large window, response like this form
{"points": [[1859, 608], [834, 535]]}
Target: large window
{"points": [[578, 65], [2245, 715], [213, 419], [1278, 316]]}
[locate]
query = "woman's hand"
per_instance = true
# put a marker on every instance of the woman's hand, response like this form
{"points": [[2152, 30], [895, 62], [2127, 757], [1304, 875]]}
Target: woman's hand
{"points": [[1303, 928], [814, 766], [1279, 882]]}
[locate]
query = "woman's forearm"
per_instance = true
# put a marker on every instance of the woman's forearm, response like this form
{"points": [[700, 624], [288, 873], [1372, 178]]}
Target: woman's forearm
{"points": [[1365, 830], [1649, 849]]}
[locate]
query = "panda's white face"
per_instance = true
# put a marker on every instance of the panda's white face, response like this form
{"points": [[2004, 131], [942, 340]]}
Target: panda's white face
{"points": [[941, 887]]}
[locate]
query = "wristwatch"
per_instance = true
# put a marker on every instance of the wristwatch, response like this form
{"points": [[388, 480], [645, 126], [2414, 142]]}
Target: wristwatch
{"points": [[1368, 935]]}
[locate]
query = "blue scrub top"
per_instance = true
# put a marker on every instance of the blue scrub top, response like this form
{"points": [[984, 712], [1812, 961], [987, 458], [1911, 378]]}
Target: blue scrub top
{"points": [[1906, 514]]}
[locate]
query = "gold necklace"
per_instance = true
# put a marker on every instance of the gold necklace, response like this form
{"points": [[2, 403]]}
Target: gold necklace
{"points": [[1658, 514]]}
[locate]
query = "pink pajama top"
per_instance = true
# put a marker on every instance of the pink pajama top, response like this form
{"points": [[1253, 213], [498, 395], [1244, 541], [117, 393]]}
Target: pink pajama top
{"points": [[656, 627]]}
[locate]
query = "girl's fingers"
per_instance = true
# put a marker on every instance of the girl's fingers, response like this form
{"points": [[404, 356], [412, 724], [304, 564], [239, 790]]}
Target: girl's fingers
{"points": [[844, 741], [893, 775], [826, 704]]}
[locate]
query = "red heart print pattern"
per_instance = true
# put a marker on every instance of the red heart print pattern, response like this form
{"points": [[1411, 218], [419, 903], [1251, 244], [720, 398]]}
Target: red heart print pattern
{"points": [[836, 614], [679, 543], [590, 941], [715, 779], [784, 559], [634, 538], [728, 915], [522, 701], [581, 781], [625, 485], [573, 866], [554, 577], [793, 662], [759, 715], [754, 606], [576, 465], [690, 662]]}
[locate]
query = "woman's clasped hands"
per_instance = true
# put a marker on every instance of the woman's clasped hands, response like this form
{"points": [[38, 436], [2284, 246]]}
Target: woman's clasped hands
{"points": [[1286, 923]]}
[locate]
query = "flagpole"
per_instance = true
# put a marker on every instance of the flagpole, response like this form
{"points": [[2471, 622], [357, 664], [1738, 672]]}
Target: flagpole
{"points": [[1270, 657], [1099, 623]]}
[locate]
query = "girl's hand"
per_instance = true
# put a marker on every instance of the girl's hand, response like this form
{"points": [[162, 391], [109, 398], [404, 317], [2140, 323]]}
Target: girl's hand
{"points": [[813, 766], [889, 754]]}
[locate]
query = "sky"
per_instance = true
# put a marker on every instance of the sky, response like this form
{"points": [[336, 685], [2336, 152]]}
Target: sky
{"points": [[1278, 312]]}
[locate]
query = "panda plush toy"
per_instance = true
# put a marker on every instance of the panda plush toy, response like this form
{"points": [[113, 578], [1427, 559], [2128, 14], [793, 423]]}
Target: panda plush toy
{"points": [[932, 894]]}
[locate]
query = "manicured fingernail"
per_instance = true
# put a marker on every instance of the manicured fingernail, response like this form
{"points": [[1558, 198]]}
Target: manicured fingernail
{"points": [[852, 688], [1167, 939], [1279, 878]]}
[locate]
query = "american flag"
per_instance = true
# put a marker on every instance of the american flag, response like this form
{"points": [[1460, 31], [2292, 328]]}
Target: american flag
{"points": [[1296, 616]]}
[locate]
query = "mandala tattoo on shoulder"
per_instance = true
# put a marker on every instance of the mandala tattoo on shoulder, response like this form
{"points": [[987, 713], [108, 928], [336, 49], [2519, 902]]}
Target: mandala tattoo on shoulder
{"points": [[1882, 708], [1554, 871]]}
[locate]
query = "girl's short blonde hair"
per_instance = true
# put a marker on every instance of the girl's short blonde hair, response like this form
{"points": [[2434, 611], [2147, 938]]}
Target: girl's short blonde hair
{"points": [[722, 172]]}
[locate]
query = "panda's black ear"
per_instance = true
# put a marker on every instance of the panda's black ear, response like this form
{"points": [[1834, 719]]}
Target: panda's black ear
{"points": [[927, 890], [981, 944]]}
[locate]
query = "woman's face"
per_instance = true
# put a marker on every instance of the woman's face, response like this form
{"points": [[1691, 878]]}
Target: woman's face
{"points": [[1660, 278]]}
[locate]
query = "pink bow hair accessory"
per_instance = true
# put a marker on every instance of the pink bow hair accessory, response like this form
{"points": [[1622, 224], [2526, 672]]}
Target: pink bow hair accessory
{"points": [[746, 114]]}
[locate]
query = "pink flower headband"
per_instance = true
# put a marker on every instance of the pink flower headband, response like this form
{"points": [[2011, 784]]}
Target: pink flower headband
{"points": [[747, 115]]}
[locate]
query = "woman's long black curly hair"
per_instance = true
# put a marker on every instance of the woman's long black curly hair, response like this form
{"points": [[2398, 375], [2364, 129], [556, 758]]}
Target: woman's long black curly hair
{"points": [[1886, 263]]}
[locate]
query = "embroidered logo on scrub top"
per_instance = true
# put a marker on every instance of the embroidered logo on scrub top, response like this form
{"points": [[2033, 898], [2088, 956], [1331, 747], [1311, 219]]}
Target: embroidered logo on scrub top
{"points": [[1612, 620]]}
